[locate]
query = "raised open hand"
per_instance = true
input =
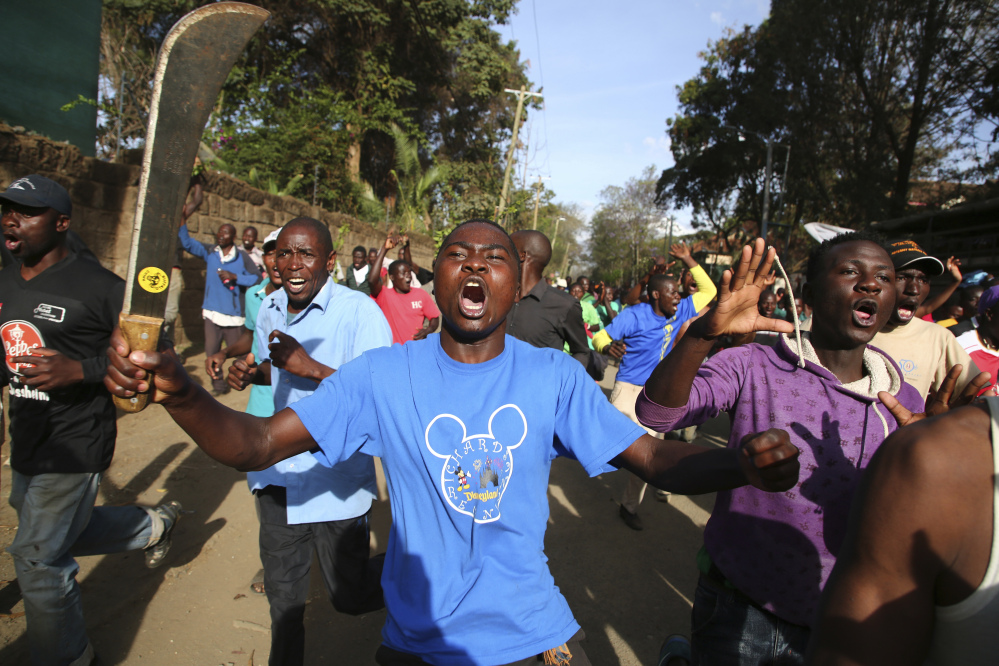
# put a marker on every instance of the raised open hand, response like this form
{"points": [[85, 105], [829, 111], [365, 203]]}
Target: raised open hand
{"points": [[680, 251], [736, 311], [954, 268]]}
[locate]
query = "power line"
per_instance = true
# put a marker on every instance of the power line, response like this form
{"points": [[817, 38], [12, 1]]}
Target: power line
{"points": [[541, 75]]}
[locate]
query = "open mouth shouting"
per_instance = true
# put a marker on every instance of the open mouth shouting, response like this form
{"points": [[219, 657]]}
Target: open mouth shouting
{"points": [[295, 285], [865, 313], [906, 309], [472, 299], [12, 242]]}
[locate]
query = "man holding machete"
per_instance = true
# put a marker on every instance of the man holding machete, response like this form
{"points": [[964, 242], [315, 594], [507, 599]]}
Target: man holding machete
{"points": [[57, 311]]}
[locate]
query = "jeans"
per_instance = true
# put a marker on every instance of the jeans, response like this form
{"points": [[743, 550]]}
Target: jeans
{"points": [[214, 335], [57, 520], [727, 629], [342, 547]]}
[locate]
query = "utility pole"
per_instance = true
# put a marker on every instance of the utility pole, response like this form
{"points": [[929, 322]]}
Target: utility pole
{"points": [[669, 242], [527, 156], [766, 188], [769, 173], [537, 200], [521, 94], [555, 237]]}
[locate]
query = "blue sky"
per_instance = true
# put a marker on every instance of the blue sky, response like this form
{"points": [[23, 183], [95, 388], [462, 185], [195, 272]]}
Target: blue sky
{"points": [[610, 72]]}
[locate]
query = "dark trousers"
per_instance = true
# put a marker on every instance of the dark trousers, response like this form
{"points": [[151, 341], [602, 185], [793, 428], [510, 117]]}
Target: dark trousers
{"points": [[728, 629], [214, 335], [386, 656], [342, 547]]}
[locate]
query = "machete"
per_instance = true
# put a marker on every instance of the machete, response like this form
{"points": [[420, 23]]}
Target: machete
{"points": [[193, 63]]}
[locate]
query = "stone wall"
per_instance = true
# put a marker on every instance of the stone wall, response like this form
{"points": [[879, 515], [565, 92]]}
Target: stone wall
{"points": [[104, 199]]}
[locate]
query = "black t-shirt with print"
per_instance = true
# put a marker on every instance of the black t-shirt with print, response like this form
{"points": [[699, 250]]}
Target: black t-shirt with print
{"points": [[72, 308]]}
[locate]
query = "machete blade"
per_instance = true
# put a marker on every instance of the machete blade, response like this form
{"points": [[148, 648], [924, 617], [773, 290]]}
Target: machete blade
{"points": [[193, 63]]}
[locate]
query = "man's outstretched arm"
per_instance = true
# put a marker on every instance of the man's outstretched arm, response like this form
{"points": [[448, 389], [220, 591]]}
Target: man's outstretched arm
{"points": [[233, 438], [767, 461]]}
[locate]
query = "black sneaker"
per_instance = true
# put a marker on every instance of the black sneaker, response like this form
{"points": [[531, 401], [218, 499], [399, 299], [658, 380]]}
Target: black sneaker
{"points": [[632, 520], [674, 647], [155, 554]]}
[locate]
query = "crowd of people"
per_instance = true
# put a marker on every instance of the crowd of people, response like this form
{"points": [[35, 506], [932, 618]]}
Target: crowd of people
{"points": [[850, 387]]}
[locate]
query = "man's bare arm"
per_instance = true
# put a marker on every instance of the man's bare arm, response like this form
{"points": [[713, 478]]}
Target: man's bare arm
{"points": [[242, 346], [767, 461], [407, 256], [233, 438], [375, 274], [910, 543], [197, 196], [935, 303]]}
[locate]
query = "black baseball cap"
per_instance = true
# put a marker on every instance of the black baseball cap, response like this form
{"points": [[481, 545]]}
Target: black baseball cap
{"points": [[907, 254], [39, 192]]}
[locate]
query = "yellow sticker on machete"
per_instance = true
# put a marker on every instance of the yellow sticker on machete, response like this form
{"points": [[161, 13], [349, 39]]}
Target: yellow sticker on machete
{"points": [[153, 280]]}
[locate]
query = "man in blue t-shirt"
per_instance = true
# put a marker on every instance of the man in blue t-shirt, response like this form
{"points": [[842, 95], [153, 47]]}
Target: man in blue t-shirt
{"points": [[640, 337], [467, 423]]}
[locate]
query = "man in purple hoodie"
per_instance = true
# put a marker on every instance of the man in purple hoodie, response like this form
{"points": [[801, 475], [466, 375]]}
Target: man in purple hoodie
{"points": [[766, 558]]}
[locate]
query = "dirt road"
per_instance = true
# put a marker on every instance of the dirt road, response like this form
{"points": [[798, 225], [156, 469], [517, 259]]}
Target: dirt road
{"points": [[628, 589]]}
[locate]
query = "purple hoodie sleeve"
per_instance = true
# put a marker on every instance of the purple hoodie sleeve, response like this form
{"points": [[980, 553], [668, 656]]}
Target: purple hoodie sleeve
{"points": [[716, 388]]}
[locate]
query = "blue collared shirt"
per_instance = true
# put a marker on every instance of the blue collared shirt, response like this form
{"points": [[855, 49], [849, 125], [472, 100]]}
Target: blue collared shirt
{"points": [[337, 326]]}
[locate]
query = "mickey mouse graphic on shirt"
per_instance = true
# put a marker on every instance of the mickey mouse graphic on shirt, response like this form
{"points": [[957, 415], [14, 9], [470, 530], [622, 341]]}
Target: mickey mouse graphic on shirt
{"points": [[477, 468]]}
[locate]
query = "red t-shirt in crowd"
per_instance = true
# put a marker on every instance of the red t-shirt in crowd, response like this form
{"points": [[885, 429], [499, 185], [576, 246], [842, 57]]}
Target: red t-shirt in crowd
{"points": [[405, 312], [986, 359]]}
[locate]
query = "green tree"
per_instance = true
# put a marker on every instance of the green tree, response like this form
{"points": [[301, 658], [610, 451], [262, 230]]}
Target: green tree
{"points": [[131, 31], [415, 184], [870, 96], [435, 68], [626, 229], [321, 85]]}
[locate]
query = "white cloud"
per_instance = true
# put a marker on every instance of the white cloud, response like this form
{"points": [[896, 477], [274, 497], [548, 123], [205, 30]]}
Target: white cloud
{"points": [[717, 18], [656, 146]]}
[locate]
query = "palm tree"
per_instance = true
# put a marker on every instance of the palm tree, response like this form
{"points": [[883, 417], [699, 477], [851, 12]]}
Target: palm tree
{"points": [[414, 184]]}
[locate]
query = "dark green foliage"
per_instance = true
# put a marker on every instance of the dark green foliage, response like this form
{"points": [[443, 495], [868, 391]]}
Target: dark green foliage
{"points": [[322, 84], [870, 96]]}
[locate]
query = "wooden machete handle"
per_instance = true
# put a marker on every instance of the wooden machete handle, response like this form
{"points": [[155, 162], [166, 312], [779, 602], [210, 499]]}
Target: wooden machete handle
{"points": [[142, 334]]}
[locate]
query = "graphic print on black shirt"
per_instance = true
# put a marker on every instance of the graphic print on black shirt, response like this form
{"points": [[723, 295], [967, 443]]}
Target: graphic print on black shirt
{"points": [[71, 307], [19, 338]]}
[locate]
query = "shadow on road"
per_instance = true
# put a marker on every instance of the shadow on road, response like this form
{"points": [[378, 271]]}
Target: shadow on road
{"points": [[122, 580]]}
